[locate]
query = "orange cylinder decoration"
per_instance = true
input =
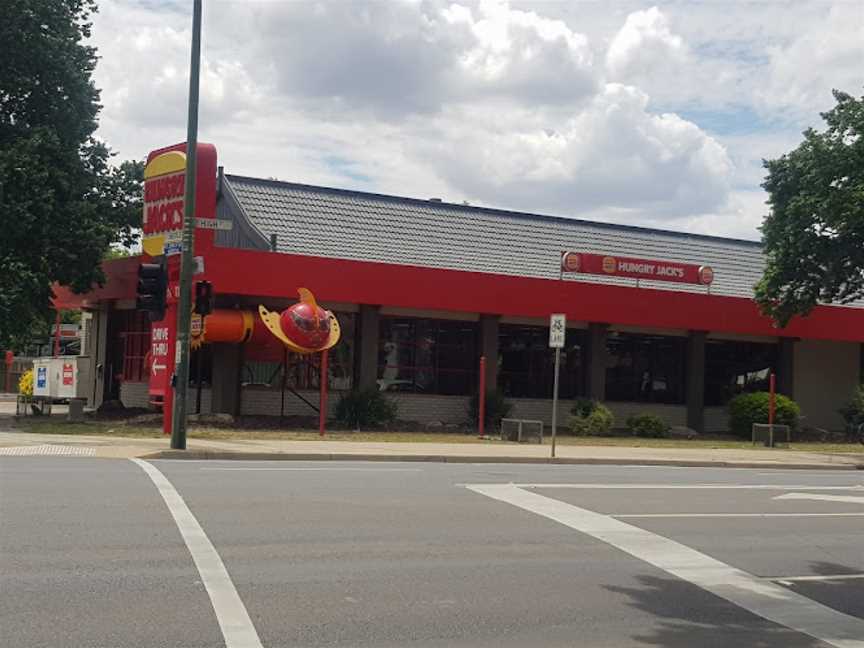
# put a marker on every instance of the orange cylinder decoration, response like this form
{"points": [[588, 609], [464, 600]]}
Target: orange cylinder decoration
{"points": [[224, 325]]}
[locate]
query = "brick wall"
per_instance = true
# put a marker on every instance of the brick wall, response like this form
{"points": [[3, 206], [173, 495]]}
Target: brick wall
{"points": [[205, 400], [675, 415], [262, 401], [424, 408], [541, 409], [432, 408], [135, 394], [716, 419]]}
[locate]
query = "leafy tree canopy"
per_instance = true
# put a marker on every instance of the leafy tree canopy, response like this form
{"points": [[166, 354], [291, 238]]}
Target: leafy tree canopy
{"points": [[813, 236], [62, 204]]}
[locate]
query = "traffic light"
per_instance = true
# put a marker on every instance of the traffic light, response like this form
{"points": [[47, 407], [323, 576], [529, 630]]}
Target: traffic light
{"points": [[152, 286], [203, 298]]}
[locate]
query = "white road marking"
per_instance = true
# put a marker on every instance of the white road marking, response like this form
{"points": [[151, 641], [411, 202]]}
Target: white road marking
{"points": [[691, 487], [46, 450], [788, 580], [321, 469], [731, 515], [777, 471], [825, 498], [234, 621], [764, 598]]}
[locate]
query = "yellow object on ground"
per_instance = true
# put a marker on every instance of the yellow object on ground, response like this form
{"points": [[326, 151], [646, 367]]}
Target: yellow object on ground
{"points": [[25, 383]]}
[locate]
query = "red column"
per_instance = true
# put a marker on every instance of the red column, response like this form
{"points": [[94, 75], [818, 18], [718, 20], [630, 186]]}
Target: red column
{"points": [[8, 360], [482, 396], [772, 398], [322, 403]]}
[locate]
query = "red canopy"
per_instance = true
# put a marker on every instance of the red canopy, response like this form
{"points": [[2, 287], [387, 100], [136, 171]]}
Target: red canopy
{"points": [[121, 280]]}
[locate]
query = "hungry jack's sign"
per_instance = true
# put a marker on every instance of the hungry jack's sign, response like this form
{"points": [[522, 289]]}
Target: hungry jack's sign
{"points": [[616, 266]]}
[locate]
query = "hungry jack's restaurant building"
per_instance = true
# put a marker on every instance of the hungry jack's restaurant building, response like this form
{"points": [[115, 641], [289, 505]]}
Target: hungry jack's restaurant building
{"points": [[658, 321]]}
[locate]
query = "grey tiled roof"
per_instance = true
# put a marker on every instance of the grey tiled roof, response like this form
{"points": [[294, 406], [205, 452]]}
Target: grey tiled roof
{"points": [[343, 224]]}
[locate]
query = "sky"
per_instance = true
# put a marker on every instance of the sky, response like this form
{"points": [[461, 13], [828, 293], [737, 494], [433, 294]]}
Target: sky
{"points": [[648, 114]]}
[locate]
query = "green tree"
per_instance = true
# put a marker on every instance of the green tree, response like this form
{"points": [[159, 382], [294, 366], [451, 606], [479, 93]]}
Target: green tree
{"points": [[61, 203], [813, 236]]}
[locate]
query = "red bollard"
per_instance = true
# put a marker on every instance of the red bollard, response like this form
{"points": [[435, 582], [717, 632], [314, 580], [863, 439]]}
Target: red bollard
{"points": [[772, 398], [482, 396], [8, 361]]}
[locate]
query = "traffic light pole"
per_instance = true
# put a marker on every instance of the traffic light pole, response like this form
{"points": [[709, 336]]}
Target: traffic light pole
{"points": [[184, 305]]}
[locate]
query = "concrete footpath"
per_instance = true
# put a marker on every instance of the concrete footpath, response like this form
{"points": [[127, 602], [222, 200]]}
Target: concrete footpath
{"points": [[14, 442]]}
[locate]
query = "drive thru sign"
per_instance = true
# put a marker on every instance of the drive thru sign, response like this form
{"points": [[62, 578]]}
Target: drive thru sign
{"points": [[557, 335]]}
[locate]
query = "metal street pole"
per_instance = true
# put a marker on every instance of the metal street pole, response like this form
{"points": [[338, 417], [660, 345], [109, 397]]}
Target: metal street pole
{"points": [[555, 399], [184, 306]]}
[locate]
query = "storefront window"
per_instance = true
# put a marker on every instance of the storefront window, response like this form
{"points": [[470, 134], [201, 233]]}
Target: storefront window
{"points": [[733, 368], [427, 356], [526, 363], [645, 368], [135, 344]]}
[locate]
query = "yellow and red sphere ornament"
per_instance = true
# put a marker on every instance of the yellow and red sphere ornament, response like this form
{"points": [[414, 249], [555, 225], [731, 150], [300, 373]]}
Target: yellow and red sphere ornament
{"points": [[304, 327]]}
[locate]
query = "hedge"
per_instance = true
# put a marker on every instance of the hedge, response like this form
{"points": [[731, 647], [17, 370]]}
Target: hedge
{"points": [[747, 409]]}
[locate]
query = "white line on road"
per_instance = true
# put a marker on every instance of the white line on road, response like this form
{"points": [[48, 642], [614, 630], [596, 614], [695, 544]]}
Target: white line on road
{"points": [[230, 612], [745, 590], [807, 471], [731, 515], [825, 498], [47, 450], [692, 487], [829, 577], [322, 469]]}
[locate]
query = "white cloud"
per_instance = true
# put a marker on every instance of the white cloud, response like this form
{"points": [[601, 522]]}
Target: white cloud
{"points": [[573, 108], [388, 60], [644, 45], [522, 55], [828, 54], [613, 154]]}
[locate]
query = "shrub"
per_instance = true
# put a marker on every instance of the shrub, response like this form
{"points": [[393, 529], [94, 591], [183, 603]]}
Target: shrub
{"points": [[649, 426], [497, 408], [25, 383], [590, 418], [747, 409], [365, 408], [583, 407], [853, 411]]}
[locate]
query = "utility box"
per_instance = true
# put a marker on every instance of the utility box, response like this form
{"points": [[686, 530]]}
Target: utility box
{"points": [[61, 378], [42, 378]]}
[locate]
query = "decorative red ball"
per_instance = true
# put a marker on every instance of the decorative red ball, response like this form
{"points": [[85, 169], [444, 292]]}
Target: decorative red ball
{"points": [[306, 325]]}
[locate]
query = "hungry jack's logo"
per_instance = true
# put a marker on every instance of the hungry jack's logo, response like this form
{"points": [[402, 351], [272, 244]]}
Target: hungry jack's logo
{"points": [[571, 262], [164, 190], [609, 265], [706, 275]]}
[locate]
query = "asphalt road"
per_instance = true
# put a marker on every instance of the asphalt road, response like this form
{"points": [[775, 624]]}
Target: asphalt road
{"points": [[423, 554]]}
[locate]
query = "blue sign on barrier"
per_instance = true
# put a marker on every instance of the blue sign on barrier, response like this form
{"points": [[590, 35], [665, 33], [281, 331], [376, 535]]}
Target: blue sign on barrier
{"points": [[41, 377]]}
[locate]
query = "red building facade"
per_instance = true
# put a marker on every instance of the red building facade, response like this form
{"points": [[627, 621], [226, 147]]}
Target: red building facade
{"points": [[658, 321]]}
